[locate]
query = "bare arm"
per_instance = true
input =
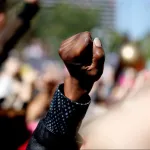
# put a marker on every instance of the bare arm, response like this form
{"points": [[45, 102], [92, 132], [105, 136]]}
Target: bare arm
{"points": [[15, 30], [71, 100]]}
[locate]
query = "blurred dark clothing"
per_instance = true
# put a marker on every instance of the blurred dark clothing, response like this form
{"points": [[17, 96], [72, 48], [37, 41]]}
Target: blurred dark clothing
{"points": [[13, 131], [2, 5], [14, 31], [58, 129]]}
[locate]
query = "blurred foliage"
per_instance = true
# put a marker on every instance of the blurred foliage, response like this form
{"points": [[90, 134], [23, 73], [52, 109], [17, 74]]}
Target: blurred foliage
{"points": [[53, 24], [63, 20], [116, 41], [145, 46], [11, 4]]}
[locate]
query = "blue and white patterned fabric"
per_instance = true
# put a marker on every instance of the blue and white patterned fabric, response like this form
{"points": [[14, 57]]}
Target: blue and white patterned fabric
{"points": [[64, 116]]}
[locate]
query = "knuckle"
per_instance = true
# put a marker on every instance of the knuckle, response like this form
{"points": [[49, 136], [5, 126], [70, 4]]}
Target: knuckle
{"points": [[61, 49], [61, 52], [87, 33]]}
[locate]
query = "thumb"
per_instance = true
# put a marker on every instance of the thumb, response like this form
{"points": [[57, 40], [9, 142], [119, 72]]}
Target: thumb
{"points": [[98, 54]]}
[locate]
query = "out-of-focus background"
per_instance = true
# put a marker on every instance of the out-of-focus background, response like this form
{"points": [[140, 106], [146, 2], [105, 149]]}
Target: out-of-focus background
{"points": [[115, 22], [33, 70]]}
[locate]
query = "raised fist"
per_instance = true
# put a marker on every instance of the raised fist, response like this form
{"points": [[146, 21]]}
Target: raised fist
{"points": [[83, 57]]}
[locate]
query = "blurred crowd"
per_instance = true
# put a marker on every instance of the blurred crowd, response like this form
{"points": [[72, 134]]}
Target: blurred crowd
{"points": [[28, 82]]}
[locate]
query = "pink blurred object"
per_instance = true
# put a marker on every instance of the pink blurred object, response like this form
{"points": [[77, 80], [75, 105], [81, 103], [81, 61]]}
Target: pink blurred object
{"points": [[128, 77], [32, 126], [146, 74], [24, 146], [124, 82]]}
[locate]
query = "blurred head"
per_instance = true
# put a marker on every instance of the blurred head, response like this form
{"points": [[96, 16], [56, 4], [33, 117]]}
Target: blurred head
{"points": [[131, 56]]}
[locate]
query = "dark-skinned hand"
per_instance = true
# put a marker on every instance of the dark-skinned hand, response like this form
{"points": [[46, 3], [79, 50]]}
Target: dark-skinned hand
{"points": [[84, 60]]}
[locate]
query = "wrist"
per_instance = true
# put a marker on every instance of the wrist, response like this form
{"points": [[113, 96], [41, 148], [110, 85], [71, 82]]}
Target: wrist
{"points": [[74, 89]]}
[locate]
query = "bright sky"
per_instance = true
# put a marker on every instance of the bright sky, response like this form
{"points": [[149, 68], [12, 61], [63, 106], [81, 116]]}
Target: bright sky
{"points": [[133, 17]]}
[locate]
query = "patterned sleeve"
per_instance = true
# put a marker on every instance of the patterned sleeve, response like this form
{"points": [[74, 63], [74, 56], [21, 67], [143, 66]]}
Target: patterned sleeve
{"points": [[57, 130], [64, 115]]}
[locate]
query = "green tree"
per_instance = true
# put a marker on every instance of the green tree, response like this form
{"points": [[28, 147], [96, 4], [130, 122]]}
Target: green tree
{"points": [[63, 20], [116, 40], [54, 24], [145, 46]]}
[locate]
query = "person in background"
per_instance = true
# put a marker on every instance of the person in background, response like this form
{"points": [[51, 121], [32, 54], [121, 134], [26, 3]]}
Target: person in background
{"points": [[12, 123], [124, 85], [51, 76], [35, 54], [11, 32], [9, 81]]}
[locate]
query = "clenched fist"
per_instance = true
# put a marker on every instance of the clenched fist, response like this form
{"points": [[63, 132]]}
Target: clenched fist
{"points": [[84, 59]]}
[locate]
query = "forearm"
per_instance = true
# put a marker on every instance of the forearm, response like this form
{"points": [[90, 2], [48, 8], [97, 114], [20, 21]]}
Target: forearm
{"points": [[15, 30], [61, 123], [71, 100]]}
